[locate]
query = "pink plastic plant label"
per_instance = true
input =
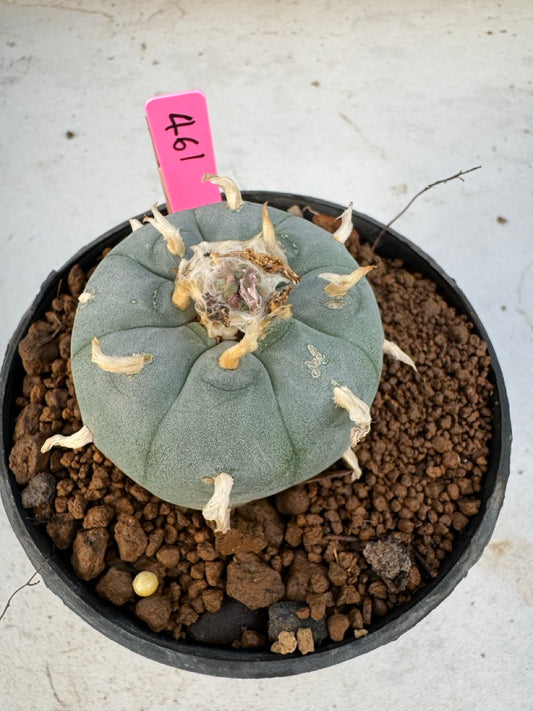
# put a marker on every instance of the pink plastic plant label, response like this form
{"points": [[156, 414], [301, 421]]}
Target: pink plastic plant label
{"points": [[179, 126]]}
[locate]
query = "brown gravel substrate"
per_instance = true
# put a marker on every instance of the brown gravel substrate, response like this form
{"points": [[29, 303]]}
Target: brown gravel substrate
{"points": [[342, 552]]}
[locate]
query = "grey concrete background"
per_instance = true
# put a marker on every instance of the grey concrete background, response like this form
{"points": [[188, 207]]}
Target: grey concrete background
{"points": [[343, 100]]}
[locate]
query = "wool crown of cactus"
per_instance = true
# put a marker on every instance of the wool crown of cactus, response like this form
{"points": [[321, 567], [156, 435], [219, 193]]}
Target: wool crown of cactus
{"points": [[232, 347]]}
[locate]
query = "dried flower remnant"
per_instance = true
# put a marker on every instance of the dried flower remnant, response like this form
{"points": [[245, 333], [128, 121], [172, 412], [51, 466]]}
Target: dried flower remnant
{"points": [[126, 365], [217, 508], [74, 441], [233, 194], [346, 226], [171, 234], [350, 459], [390, 348], [135, 224], [358, 411], [340, 284]]}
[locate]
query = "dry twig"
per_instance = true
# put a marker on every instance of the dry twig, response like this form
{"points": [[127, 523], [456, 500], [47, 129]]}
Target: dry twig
{"points": [[458, 175], [28, 584]]}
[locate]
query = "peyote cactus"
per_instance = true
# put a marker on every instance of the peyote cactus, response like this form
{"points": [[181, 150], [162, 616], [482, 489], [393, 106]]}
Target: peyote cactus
{"points": [[226, 353]]}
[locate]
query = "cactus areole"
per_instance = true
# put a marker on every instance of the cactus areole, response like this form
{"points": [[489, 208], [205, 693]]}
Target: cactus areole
{"points": [[231, 348]]}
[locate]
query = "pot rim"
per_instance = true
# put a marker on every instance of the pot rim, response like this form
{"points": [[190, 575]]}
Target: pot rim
{"points": [[55, 569]]}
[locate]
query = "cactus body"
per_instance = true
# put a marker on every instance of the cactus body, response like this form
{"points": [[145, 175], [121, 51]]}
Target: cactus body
{"points": [[181, 418]]}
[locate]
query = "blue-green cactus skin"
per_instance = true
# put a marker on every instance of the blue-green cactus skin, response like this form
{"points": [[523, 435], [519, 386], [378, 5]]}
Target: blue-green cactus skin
{"points": [[270, 423]]}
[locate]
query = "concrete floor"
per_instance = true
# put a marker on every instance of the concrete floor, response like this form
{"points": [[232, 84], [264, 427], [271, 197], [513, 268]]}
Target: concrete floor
{"points": [[343, 100]]}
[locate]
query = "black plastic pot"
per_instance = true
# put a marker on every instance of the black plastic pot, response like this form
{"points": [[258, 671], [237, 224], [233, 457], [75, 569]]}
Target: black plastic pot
{"points": [[54, 566]]}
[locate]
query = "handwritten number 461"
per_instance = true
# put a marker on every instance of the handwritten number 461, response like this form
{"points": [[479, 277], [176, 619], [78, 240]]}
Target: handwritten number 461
{"points": [[180, 144]]}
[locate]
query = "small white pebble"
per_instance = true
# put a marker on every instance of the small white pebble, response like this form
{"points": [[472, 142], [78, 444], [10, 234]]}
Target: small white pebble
{"points": [[145, 583]]}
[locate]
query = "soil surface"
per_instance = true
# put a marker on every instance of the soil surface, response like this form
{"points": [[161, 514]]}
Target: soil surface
{"points": [[317, 563]]}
